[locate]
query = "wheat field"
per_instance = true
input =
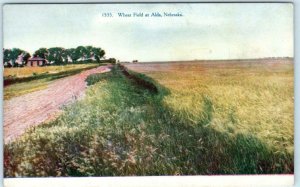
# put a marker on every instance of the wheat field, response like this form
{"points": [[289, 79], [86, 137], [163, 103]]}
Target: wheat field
{"points": [[204, 118], [250, 96]]}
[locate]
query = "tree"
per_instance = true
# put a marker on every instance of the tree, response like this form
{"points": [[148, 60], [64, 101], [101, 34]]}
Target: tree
{"points": [[42, 52], [14, 54], [6, 56], [55, 55], [98, 53], [112, 60], [82, 52], [102, 53], [65, 55], [73, 54], [14, 57], [26, 56], [89, 52]]}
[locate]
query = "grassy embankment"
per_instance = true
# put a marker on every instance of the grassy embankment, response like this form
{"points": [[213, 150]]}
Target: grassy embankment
{"points": [[19, 81], [226, 122]]}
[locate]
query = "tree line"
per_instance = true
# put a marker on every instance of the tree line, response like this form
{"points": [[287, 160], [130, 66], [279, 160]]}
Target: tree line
{"points": [[55, 55]]}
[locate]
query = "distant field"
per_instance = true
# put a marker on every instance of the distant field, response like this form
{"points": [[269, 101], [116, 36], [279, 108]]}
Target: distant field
{"points": [[249, 96], [19, 81], [217, 117]]}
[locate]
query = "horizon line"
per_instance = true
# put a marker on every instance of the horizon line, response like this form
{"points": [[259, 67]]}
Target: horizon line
{"points": [[232, 59]]}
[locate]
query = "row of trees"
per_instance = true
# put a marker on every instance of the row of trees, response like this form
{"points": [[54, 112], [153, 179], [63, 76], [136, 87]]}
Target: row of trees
{"points": [[11, 57], [55, 55]]}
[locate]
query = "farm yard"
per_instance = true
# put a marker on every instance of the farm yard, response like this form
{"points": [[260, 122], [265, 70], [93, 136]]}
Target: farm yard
{"points": [[206, 117]]}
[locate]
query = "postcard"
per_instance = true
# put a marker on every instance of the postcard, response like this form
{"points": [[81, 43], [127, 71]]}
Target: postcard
{"points": [[148, 89]]}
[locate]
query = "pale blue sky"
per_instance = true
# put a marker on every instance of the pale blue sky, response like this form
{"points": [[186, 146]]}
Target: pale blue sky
{"points": [[206, 31]]}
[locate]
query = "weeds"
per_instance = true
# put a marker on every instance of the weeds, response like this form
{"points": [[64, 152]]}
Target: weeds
{"points": [[39, 78], [120, 129]]}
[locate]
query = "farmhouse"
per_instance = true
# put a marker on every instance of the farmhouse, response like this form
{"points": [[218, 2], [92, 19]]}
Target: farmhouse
{"points": [[36, 61]]}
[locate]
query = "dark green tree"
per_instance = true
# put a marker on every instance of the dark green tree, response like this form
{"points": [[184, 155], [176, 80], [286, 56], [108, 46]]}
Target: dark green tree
{"points": [[112, 60], [14, 54], [65, 55], [82, 52], [6, 56], [42, 52], [10, 56], [55, 55], [26, 56], [89, 52], [73, 54], [98, 53]]}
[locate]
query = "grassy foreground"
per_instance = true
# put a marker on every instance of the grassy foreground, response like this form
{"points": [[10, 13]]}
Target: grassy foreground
{"points": [[29, 79], [121, 128]]}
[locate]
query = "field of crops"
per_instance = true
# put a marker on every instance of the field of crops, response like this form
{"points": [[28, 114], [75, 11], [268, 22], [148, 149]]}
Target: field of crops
{"points": [[20, 81], [213, 117], [247, 97], [34, 71]]}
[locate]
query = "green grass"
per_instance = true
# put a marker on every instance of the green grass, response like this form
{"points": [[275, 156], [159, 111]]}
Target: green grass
{"points": [[32, 79], [246, 97], [25, 72], [121, 129]]}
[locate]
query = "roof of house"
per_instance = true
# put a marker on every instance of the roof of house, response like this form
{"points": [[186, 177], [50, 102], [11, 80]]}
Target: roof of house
{"points": [[36, 58]]}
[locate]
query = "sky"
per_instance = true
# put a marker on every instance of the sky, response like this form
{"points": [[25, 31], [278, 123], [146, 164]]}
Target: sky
{"points": [[204, 31]]}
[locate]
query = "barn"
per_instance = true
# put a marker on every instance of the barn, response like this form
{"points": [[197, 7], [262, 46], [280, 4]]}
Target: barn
{"points": [[36, 61]]}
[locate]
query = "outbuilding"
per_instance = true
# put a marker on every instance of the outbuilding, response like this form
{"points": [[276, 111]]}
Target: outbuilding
{"points": [[36, 61]]}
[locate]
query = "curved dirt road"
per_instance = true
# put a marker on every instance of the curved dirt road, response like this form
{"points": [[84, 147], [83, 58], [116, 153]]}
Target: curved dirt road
{"points": [[37, 107]]}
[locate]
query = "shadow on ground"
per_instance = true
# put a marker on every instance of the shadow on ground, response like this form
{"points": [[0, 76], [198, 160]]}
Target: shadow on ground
{"points": [[124, 128]]}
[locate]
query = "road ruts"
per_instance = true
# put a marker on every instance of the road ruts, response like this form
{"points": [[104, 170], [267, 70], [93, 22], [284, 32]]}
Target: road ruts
{"points": [[34, 108]]}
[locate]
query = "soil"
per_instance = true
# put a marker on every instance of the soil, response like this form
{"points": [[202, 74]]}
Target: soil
{"points": [[34, 108]]}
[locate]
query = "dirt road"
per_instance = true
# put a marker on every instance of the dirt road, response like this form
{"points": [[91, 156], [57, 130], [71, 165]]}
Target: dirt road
{"points": [[40, 106]]}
